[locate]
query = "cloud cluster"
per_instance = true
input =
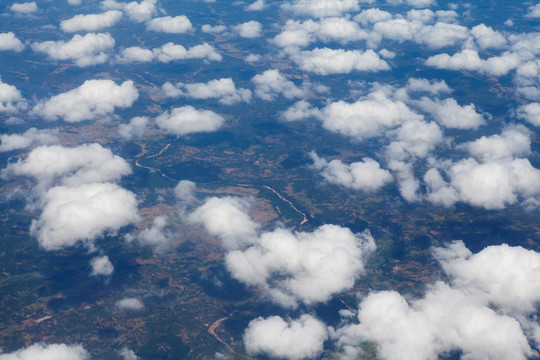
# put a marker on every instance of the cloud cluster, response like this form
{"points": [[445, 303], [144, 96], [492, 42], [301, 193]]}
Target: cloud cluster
{"points": [[365, 175], [483, 312], [91, 22], [292, 267], [171, 25], [136, 11], [48, 352], [222, 89], [29, 137], [277, 338], [11, 99], [321, 8], [94, 99], [8, 41], [169, 52], [87, 50], [24, 8], [186, 120], [271, 83]]}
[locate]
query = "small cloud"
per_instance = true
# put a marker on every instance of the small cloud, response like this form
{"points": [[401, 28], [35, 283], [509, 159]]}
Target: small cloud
{"points": [[130, 304], [101, 266]]}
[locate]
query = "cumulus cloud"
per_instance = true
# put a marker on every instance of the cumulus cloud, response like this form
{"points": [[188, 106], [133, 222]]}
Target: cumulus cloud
{"points": [[127, 354], [251, 29], [415, 138], [77, 165], [91, 22], [24, 8], [487, 38], [530, 112], [271, 83], [11, 99], [321, 8], [172, 25], [155, 236], [8, 41], [258, 5], [101, 265], [44, 351], [430, 86], [452, 115], [277, 338], [186, 120], [15, 141], [94, 99], [367, 117], [130, 304], [482, 312], [136, 11], [171, 52], [300, 110], [513, 141], [136, 54], [184, 191], [83, 213], [533, 11], [135, 128], [325, 61], [469, 59], [216, 29], [87, 50], [365, 175], [223, 89]]}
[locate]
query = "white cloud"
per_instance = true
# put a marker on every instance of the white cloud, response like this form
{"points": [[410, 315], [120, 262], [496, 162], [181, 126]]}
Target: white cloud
{"points": [[128, 354], [87, 50], [321, 8], [364, 175], [137, 11], [415, 138], [15, 141], [135, 128], [44, 351], [258, 5], [171, 52], [131, 304], [366, 118], [25, 8], [534, 11], [226, 218], [82, 214], [94, 99], [136, 54], [530, 112], [271, 83], [371, 16], [155, 236], [450, 114], [172, 25], [186, 120], [11, 99], [216, 29], [300, 110], [325, 61], [431, 86], [487, 38], [252, 58], [184, 191], [469, 60], [77, 165], [8, 41], [223, 89], [277, 338], [300, 266], [91, 22], [513, 141], [101, 265], [251, 29], [441, 35], [421, 3]]}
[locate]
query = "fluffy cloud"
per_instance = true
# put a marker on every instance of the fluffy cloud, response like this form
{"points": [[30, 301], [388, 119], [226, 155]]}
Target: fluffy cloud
{"points": [[155, 236], [321, 8], [135, 128], [29, 137], [131, 304], [530, 112], [367, 117], [534, 11], [101, 265], [8, 41], [258, 5], [482, 312], [300, 110], [87, 50], [184, 191], [91, 22], [94, 99], [25, 8], [171, 52], [271, 83], [186, 120], [487, 38], [136, 54], [11, 99], [452, 115], [365, 175], [137, 11], [470, 60], [77, 165], [223, 89], [277, 338], [251, 29], [227, 218], [44, 351], [513, 141], [325, 61], [424, 85], [217, 29], [172, 25], [82, 214]]}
